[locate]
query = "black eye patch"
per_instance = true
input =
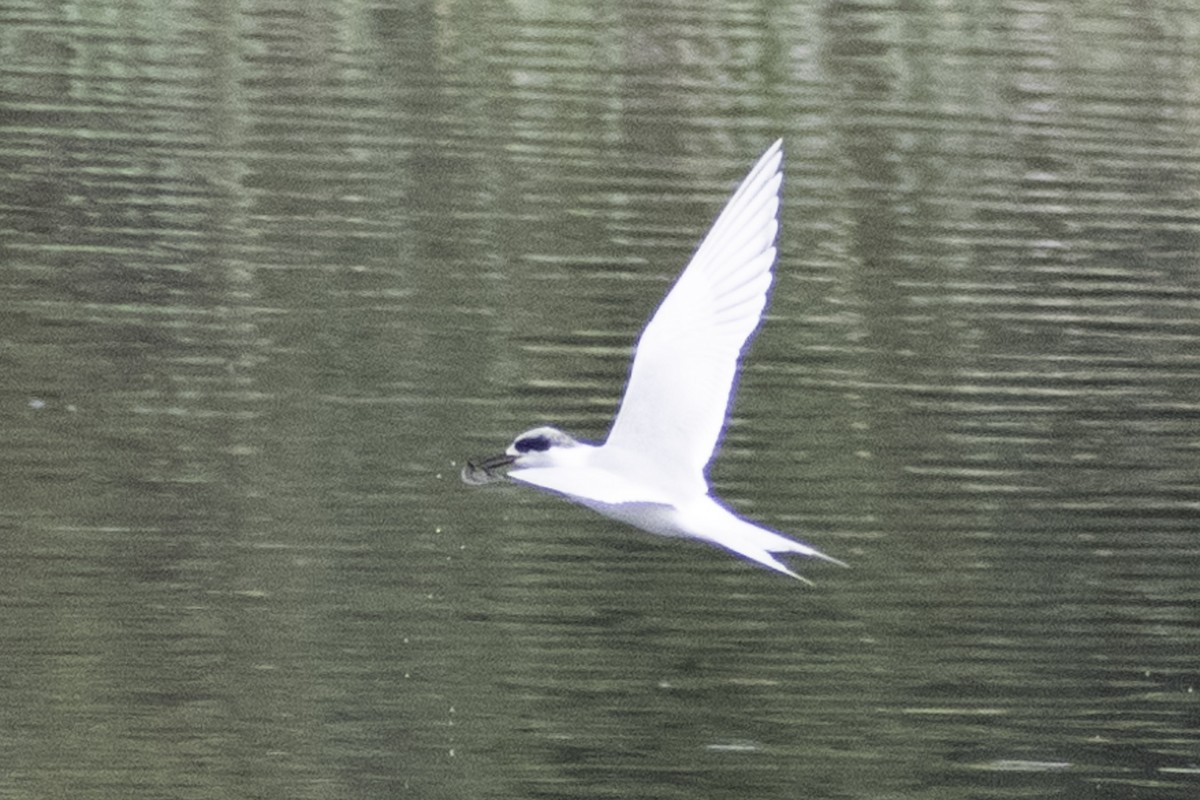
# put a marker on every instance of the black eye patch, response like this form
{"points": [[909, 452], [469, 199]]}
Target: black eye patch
{"points": [[533, 443]]}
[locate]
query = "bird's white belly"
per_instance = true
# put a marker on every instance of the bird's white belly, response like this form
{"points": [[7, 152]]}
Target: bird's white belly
{"points": [[651, 517]]}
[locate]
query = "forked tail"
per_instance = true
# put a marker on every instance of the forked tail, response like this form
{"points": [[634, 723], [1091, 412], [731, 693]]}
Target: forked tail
{"points": [[759, 544]]}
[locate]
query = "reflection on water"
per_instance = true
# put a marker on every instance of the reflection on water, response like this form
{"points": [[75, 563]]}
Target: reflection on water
{"points": [[267, 278]]}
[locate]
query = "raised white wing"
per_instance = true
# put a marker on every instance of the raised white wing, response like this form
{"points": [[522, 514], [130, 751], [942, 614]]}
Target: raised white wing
{"points": [[685, 366]]}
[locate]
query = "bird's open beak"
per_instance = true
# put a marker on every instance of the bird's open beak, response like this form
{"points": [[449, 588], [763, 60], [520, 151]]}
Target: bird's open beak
{"points": [[478, 471]]}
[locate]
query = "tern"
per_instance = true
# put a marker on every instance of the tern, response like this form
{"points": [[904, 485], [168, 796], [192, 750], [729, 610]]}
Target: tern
{"points": [[651, 470]]}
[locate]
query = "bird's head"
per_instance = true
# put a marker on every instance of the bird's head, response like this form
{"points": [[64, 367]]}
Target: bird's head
{"points": [[539, 447]]}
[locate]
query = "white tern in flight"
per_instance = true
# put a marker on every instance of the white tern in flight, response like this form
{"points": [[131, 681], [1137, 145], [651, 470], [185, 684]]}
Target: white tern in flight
{"points": [[650, 471]]}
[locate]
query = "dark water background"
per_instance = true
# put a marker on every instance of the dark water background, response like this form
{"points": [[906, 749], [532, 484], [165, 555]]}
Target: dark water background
{"points": [[270, 271]]}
